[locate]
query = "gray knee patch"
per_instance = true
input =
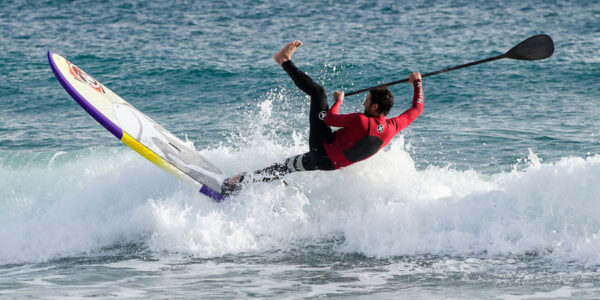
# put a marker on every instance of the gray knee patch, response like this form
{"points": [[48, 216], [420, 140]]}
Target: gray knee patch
{"points": [[294, 163]]}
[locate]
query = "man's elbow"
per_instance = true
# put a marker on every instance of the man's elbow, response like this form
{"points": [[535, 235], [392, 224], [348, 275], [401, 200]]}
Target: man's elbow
{"points": [[417, 111]]}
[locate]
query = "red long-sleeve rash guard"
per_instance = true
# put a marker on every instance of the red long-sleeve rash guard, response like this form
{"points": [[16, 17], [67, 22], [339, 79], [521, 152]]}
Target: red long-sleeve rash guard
{"points": [[355, 127]]}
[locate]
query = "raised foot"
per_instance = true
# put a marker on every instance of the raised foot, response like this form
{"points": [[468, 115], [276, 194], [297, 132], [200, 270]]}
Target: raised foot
{"points": [[286, 52]]}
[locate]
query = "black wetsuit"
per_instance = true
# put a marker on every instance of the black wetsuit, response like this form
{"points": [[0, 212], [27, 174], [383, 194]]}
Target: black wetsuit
{"points": [[316, 158], [358, 138]]}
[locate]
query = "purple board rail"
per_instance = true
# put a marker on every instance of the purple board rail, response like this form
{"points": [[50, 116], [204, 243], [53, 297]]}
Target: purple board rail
{"points": [[108, 124]]}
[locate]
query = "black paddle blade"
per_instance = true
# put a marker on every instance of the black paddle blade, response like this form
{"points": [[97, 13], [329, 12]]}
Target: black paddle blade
{"points": [[536, 47]]}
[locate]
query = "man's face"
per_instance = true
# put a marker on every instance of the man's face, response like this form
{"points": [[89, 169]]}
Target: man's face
{"points": [[370, 109]]}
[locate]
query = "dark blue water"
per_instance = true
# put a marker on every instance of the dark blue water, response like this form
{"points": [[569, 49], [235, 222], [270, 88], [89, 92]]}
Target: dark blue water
{"points": [[491, 193]]}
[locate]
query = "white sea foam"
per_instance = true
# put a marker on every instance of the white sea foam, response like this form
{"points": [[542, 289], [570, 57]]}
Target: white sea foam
{"points": [[382, 207]]}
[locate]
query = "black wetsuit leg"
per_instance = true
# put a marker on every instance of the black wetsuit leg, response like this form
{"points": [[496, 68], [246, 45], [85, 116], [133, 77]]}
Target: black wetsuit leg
{"points": [[316, 158], [309, 161], [319, 133]]}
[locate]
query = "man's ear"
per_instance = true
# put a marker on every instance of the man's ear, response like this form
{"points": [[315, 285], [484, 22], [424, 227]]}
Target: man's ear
{"points": [[375, 107]]}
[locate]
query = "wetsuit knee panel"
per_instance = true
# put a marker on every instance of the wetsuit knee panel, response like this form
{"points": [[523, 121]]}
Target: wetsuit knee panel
{"points": [[309, 161], [296, 163]]}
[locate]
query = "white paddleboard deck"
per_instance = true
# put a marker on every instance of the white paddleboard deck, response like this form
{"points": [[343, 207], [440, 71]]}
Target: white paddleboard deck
{"points": [[137, 130]]}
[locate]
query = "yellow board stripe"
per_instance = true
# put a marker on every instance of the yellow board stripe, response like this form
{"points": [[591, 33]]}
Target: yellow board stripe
{"points": [[149, 155]]}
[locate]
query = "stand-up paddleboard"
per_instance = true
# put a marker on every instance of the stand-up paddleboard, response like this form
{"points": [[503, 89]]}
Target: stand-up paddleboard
{"points": [[137, 130]]}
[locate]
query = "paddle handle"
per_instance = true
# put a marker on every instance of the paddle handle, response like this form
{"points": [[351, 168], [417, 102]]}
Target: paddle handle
{"points": [[430, 74]]}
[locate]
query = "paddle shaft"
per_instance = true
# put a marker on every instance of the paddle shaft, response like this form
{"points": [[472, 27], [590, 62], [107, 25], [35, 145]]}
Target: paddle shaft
{"points": [[430, 74]]}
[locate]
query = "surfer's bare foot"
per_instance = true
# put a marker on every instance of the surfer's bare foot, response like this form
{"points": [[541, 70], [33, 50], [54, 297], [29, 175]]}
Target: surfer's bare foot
{"points": [[286, 52], [235, 180], [232, 185]]}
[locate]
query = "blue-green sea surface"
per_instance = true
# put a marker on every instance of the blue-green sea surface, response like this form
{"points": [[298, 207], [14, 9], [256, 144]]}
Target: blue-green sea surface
{"points": [[492, 193]]}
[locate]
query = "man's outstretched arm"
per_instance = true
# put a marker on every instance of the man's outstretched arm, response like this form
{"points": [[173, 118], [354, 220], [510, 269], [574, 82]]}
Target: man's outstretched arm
{"points": [[407, 117]]}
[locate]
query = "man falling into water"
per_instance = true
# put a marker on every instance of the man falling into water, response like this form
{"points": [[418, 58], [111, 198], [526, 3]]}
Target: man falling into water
{"points": [[360, 136]]}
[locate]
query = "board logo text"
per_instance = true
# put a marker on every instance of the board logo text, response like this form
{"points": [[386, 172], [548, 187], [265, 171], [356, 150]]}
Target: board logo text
{"points": [[85, 78]]}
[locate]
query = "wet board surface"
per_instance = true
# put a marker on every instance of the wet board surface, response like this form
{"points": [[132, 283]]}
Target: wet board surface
{"points": [[137, 130]]}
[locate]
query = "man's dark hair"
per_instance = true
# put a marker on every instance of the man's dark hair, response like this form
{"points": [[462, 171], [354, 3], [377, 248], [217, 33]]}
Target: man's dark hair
{"points": [[384, 98]]}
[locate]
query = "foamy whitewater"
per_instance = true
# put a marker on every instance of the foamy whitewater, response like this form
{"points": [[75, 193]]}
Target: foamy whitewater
{"points": [[546, 210], [382, 207], [492, 193]]}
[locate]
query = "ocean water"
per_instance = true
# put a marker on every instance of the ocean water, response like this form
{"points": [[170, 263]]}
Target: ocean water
{"points": [[492, 193]]}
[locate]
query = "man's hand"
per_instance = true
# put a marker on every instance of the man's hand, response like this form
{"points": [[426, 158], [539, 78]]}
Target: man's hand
{"points": [[413, 76], [338, 96]]}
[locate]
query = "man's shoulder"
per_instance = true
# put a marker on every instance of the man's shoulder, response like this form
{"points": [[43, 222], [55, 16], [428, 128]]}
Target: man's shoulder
{"points": [[361, 116], [357, 116], [362, 120]]}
